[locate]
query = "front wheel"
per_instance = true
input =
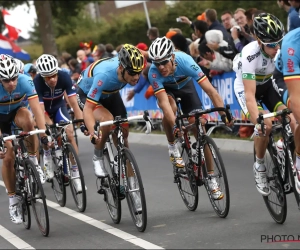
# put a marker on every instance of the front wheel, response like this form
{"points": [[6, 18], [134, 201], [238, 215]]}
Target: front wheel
{"points": [[276, 201], [218, 178], [134, 190], [76, 177]]}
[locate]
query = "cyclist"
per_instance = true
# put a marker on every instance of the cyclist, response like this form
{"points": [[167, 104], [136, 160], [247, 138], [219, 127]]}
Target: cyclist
{"points": [[15, 87], [171, 76], [30, 70], [98, 95], [50, 85], [286, 78], [254, 67]]}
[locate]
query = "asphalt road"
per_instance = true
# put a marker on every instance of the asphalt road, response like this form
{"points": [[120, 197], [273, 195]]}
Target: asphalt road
{"points": [[170, 224]]}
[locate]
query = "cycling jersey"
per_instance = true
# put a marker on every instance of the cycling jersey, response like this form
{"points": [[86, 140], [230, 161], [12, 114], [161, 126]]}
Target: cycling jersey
{"points": [[253, 64], [53, 98], [186, 69], [11, 101], [288, 61], [100, 79]]}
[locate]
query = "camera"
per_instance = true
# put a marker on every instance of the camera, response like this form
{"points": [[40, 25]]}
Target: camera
{"points": [[178, 19], [237, 27]]}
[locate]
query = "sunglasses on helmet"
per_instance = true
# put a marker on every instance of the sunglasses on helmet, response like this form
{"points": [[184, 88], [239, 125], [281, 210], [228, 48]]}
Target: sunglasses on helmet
{"points": [[163, 63], [133, 73], [9, 80]]}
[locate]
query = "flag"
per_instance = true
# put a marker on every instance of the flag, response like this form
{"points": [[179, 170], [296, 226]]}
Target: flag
{"points": [[13, 32]]}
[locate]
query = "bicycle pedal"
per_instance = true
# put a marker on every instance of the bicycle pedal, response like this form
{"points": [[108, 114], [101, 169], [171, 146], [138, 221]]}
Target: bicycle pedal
{"points": [[199, 182], [101, 191]]}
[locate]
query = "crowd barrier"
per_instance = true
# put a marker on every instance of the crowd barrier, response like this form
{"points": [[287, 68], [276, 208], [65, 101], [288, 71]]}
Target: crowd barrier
{"points": [[223, 83]]}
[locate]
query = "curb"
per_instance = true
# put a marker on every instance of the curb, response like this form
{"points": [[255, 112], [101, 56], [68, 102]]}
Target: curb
{"points": [[161, 140]]}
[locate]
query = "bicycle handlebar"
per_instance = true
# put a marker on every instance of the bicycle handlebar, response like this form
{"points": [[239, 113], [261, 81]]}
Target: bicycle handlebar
{"points": [[23, 134], [64, 123], [261, 117], [118, 120]]}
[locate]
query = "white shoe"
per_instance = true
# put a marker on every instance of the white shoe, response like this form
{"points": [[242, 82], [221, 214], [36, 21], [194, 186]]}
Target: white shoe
{"points": [[99, 168], [77, 184], [49, 167], [176, 158], [15, 213], [260, 176], [214, 188], [41, 174]]}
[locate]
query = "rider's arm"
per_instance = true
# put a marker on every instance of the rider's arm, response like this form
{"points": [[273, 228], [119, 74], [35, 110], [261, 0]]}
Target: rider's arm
{"points": [[250, 89], [38, 113], [74, 105], [88, 116], [164, 104]]}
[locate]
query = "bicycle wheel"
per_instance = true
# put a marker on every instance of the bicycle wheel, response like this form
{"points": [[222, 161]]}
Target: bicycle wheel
{"points": [[37, 198], [289, 158], [75, 133], [276, 201], [73, 160], [57, 183], [134, 190], [111, 195], [221, 206], [186, 182]]}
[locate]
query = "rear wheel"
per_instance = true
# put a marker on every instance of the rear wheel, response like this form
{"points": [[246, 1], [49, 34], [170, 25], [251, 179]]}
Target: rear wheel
{"points": [[77, 183], [58, 185], [134, 190], [37, 198], [187, 183]]}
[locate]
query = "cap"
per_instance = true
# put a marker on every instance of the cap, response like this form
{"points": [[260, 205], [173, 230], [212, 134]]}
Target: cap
{"points": [[142, 46], [202, 17], [215, 36], [171, 33]]}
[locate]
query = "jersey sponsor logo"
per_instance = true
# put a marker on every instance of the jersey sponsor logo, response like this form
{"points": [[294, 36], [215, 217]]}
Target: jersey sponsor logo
{"points": [[252, 57], [290, 65], [155, 85], [195, 67], [200, 74], [31, 82], [263, 70], [33, 91], [153, 75], [94, 92], [248, 76], [99, 83], [265, 62], [4, 97], [291, 51], [239, 65]]}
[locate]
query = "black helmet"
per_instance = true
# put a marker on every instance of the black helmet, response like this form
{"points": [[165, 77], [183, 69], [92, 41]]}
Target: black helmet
{"points": [[131, 58], [268, 28]]}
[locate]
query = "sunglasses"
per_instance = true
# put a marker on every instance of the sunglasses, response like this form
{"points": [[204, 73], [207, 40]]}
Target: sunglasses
{"points": [[132, 73], [272, 45], [9, 80], [163, 63], [49, 77]]}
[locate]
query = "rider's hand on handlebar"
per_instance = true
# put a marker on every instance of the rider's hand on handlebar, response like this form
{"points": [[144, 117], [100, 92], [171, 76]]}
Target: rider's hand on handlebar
{"points": [[84, 129], [225, 120], [176, 131], [258, 130], [95, 138]]}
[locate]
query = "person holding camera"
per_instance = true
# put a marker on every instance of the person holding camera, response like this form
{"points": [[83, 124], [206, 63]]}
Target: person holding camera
{"points": [[240, 31]]}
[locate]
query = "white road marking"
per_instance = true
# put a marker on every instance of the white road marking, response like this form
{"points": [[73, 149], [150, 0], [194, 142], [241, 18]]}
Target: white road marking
{"points": [[98, 224], [14, 239]]}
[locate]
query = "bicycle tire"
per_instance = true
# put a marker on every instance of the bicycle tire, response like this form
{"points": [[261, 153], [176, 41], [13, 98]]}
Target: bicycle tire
{"points": [[75, 134], [79, 197], [221, 211], [111, 194], [139, 217], [57, 183], [186, 182], [34, 186], [292, 172], [275, 182]]}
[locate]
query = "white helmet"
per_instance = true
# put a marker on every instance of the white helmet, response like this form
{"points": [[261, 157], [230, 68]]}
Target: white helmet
{"points": [[47, 65], [8, 67], [161, 47], [20, 65]]}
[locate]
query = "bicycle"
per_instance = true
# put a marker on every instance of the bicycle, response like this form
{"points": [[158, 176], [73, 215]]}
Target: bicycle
{"points": [[28, 184], [64, 157], [280, 169], [125, 161], [195, 172]]}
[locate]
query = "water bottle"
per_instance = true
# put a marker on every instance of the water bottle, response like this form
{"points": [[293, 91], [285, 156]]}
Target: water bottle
{"points": [[279, 148], [58, 154]]}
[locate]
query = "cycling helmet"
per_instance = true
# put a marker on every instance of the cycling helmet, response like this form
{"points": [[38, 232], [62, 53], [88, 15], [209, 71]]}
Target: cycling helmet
{"points": [[161, 47], [47, 65], [268, 28], [8, 67], [29, 68], [131, 58], [20, 65]]}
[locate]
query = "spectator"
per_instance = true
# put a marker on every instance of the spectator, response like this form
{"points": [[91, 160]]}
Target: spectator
{"points": [[153, 33], [255, 13], [293, 20], [241, 32], [75, 69], [226, 18], [249, 16], [119, 47], [180, 43], [213, 60], [87, 48], [82, 59], [177, 30], [144, 47], [30, 70], [109, 50], [101, 51], [65, 57], [200, 28]]}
